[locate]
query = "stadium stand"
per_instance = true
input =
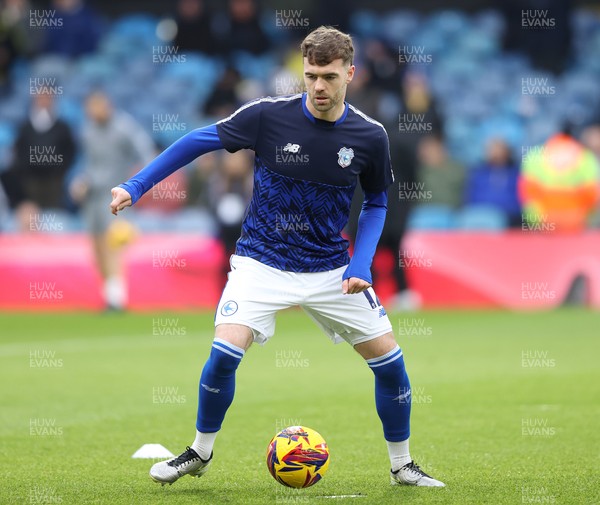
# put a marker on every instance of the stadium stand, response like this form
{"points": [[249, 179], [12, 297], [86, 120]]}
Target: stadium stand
{"points": [[481, 91]]}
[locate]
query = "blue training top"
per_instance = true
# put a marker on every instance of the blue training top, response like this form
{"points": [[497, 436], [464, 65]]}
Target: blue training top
{"points": [[305, 174]]}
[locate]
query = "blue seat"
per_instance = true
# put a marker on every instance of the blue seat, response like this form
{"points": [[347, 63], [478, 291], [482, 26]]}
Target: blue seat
{"points": [[14, 109], [52, 65], [481, 217], [254, 67], [477, 44], [7, 133], [137, 27], [398, 26], [491, 22], [448, 22], [198, 73], [431, 217], [506, 126], [365, 23], [95, 70], [72, 112]]}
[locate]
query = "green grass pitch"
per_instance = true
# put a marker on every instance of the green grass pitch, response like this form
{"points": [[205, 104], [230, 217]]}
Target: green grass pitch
{"points": [[506, 409]]}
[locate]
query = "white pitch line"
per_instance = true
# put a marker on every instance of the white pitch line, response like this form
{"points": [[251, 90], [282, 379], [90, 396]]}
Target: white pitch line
{"points": [[344, 496]]}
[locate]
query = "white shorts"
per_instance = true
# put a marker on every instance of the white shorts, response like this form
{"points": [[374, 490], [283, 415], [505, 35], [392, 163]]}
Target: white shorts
{"points": [[255, 292]]}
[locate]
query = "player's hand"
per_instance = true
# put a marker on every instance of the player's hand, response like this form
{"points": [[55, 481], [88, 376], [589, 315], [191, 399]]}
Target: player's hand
{"points": [[120, 200], [354, 285]]}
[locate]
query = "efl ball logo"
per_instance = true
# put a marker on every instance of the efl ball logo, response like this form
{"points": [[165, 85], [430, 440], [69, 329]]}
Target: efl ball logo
{"points": [[298, 457]]}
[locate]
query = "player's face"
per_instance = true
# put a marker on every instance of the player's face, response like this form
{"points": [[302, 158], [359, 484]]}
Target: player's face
{"points": [[326, 88]]}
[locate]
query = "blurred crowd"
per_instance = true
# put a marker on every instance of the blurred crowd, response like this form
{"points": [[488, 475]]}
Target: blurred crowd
{"points": [[83, 136]]}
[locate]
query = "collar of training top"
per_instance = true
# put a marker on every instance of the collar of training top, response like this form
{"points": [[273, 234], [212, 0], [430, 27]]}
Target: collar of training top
{"points": [[322, 121]]}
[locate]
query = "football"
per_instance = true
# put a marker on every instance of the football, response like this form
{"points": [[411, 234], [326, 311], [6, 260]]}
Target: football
{"points": [[298, 457]]}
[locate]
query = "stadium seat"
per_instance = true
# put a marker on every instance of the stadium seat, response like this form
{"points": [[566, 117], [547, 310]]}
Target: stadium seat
{"points": [[448, 22], [490, 21], [431, 217], [7, 133], [71, 111], [477, 44], [365, 23], [505, 126], [137, 28], [14, 108], [399, 26], [7, 137], [481, 217], [97, 67], [254, 67], [539, 129], [199, 74], [54, 66]]}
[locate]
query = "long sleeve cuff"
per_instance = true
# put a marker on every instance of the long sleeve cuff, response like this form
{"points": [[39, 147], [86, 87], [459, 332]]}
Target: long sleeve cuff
{"points": [[370, 226]]}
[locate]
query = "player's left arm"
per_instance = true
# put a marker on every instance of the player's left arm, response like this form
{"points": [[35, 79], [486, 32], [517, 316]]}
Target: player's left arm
{"points": [[375, 180], [357, 276]]}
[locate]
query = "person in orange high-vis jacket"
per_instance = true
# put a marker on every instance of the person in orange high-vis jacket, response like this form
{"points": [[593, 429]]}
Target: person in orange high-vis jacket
{"points": [[559, 185]]}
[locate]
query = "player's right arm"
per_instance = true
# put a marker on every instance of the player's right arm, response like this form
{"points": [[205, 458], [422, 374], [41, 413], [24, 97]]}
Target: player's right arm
{"points": [[238, 131], [180, 153]]}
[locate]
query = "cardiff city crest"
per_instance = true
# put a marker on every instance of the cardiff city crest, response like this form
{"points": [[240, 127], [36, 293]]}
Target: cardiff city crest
{"points": [[345, 155]]}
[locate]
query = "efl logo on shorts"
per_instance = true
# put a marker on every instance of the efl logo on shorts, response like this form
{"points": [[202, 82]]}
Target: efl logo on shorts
{"points": [[229, 308]]}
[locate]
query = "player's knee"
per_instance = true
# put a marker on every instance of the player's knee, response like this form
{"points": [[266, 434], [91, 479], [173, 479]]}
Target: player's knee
{"points": [[377, 347], [236, 334]]}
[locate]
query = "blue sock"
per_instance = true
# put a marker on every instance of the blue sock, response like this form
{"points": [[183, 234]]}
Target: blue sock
{"points": [[217, 385], [392, 394]]}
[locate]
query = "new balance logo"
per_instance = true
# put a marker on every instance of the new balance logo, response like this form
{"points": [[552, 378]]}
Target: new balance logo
{"points": [[382, 312], [292, 148], [211, 390], [290, 154]]}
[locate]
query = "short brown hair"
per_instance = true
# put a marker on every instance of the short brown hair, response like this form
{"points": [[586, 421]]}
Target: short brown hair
{"points": [[326, 44]]}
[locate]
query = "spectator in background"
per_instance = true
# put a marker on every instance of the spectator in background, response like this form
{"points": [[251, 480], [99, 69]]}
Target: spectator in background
{"points": [[494, 182], [4, 209], [194, 27], [80, 31], [224, 100], [43, 153], [382, 62], [203, 170], [559, 185], [244, 32], [441, 177], [230, 190], [364, 93], [16, 37], [418, 118], [332, 13], [541, 29], [419, 115], [590, 138], [112, 144]]}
